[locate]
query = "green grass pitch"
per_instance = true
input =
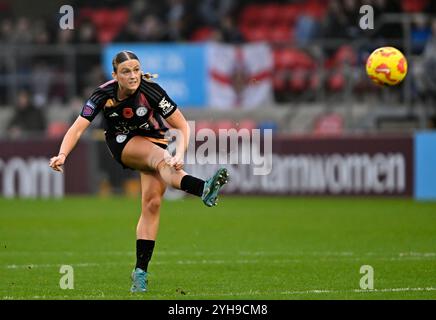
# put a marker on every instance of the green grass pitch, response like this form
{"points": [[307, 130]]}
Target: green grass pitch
{"points": [[246, 248]]}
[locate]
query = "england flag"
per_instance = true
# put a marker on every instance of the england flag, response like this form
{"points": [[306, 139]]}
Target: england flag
{"points": [[239, 76]]}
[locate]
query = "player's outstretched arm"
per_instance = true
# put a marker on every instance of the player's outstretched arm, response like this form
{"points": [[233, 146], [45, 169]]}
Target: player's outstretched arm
{"points": [[69, 142]]}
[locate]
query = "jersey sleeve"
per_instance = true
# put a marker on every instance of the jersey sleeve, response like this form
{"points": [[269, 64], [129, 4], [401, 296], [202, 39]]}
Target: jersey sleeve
{"points": [[159, 99], [94, 104]]}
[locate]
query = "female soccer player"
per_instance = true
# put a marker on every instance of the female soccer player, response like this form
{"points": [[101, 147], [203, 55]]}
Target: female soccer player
{"points": [[133, 107]]}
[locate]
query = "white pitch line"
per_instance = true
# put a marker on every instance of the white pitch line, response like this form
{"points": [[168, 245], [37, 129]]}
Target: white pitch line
{"points": [[418, 254], [215, 261], [314, 291], [93, 264], [81, 264], [247, 293], [216, 253]]}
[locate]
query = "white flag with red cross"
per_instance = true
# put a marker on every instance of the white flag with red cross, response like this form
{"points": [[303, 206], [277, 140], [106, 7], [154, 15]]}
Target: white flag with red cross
{"points": [[239, 76]]}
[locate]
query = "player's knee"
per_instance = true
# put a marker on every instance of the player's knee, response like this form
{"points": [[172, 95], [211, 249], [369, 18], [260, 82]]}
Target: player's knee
{"points": [[152, 204], [161, 166]]}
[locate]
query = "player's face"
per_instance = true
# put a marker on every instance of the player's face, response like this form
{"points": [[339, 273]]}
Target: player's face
{"points": [[129, 74]]}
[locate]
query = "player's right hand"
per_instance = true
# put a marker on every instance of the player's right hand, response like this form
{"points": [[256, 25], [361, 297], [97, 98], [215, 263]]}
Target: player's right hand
{"points": [[176, 162], [57, 162]]}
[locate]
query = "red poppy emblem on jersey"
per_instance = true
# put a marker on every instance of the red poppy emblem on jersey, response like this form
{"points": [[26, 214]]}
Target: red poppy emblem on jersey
{"points": [[128, 113]]}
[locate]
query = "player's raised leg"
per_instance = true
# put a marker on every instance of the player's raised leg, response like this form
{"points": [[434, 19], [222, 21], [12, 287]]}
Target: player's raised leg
{"points": [[141, 154]]}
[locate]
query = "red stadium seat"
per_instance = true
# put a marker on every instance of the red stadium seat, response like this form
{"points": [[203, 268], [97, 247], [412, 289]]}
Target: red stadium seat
{"points": [[251, 15], [277, 58], [294, 58], [270, 14], [298, 81], [85, 13], [57, 129], [414, 6], [306, 61], [120, 16], [344, 55], [336, 82], [280, 34], [279, 80], [314, 80], [101, 17], [289, 58], [289, 13], [202, 34], [109, 22], [316, 9], [106, 35], [256, 33]]}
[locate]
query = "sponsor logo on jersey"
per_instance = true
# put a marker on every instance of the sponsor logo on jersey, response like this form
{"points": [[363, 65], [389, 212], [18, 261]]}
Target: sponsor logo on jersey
{"points": [[145, 126], [141, 111], [90, 104], [128, 113], [166, 106], [113, 114], [122, 129], [89, 108], [121, 138]]}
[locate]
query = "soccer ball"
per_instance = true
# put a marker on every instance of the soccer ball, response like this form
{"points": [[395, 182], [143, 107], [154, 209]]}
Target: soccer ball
{"points": [[386, 66]]}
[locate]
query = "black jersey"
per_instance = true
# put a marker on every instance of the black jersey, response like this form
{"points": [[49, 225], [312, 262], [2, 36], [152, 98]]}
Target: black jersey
{"points": [[139, 114]]}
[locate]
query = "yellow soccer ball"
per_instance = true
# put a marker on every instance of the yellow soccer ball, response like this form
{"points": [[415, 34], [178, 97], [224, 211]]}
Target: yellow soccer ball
{"points": [[386, 66]]}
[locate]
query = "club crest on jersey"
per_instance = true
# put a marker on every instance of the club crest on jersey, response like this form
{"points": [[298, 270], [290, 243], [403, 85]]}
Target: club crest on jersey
{"points": [[141, 111], [128, 113], [121, 138], [166, 106]]}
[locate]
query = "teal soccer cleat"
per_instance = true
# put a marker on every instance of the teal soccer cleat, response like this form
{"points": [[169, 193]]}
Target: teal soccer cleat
{"points": [[213, 185], [139, 279]]}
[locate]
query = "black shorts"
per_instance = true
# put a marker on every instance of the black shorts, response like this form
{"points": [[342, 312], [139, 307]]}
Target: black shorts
{"points": [[117, 143]]}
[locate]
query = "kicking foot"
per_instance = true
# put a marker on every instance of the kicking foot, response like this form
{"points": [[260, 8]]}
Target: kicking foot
{"points": [[213, 185]]}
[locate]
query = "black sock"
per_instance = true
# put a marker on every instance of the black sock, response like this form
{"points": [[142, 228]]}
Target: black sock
{"points": [[192, 185], [144, 251]]}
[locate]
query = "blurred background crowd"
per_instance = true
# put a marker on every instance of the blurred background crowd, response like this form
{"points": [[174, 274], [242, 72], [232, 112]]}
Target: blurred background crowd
{"points": [[319, 53]]}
